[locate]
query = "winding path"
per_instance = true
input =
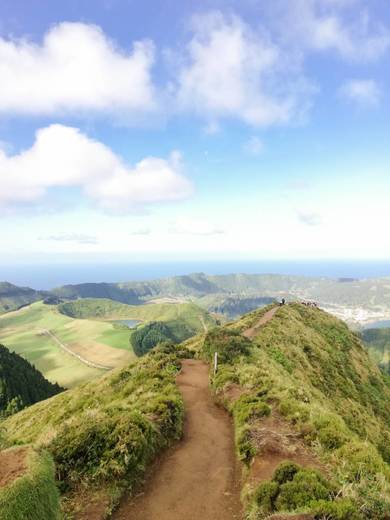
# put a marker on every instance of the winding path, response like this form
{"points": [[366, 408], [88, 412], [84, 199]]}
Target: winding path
{"points": [[196, 479], [71, 352], [251, 332]]}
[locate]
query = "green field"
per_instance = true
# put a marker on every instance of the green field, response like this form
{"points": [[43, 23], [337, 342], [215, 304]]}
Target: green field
{"points": [[100, 342], [88, 330]]}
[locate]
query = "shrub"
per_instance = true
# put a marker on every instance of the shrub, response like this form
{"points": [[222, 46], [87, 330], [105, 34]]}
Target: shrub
{"points": [[229, 344], [306, 486], [343, 509], [285, 472], [247, 408], [265, 496]]}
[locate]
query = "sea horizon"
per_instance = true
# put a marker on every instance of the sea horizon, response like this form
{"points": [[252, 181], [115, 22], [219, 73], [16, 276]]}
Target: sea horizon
{"points": [[48, 276]]}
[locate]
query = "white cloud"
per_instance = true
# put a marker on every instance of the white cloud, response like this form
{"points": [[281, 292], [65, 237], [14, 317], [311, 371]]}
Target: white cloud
{"points": [[140, 232], [342, 26], [190, 226], [78, 238], [254, 145], [63, 157], [363, 92], [76, 68], [231, 71], [309, 218]]}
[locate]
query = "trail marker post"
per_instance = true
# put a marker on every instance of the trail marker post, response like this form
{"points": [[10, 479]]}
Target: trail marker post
{"points": [[215, 363]]}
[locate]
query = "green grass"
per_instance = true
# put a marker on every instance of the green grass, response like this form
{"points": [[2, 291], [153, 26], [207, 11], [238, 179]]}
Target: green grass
{"points": [[309, 367], [88, 323], [111, 310], [103, 434], [34, 495], [22, 332]]}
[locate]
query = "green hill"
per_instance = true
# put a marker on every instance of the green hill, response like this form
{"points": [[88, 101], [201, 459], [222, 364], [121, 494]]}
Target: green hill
{"points": [[20, 383], [377, 342], [103, 434], [306, 369], [13, 297]]}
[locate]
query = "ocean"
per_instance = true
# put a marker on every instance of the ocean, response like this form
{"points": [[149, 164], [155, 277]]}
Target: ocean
{"points": [[46, 276]]}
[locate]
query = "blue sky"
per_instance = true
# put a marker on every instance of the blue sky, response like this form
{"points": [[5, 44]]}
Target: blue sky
{"points": [[181, 130]]}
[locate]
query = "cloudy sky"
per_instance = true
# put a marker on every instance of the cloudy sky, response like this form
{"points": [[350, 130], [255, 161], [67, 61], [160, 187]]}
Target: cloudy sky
{"points": [[219, 129]]}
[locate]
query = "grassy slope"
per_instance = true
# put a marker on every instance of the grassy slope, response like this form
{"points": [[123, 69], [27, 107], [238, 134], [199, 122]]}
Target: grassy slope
{"points": [[112, 310], [310, 367], [104, 433], [13, 297], [21, 331]]}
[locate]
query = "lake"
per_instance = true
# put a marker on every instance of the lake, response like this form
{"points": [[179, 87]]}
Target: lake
{"points": [[128, 323]]}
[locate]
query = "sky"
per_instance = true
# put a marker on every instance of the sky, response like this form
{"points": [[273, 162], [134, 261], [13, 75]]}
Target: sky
{"points": [[179, 130]]}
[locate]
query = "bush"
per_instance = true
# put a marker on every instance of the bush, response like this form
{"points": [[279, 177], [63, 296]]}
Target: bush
{"points": [[265, 496], [306, 486], [247, 408], [229, 344], [343, 509], [285, 472]]}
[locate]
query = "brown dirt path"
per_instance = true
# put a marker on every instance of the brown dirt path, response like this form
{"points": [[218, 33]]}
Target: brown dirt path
{"points": [[251, 332], [196, 479]]}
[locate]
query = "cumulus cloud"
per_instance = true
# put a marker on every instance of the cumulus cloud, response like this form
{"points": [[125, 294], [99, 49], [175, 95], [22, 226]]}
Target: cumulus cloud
{"points": [[341, 26], [76, 68], [63, 157], [190, 226], [362, 92], [78, 238], [310, 218], [229, 70]]}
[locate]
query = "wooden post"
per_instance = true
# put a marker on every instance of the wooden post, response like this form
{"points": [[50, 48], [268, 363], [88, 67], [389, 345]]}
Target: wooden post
{"points": [[215, 363]]}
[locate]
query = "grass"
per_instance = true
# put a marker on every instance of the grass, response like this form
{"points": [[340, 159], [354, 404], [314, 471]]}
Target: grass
{"points": [[22, 332], [103, 434], [87, 328], [34, 495], [309, 367]]}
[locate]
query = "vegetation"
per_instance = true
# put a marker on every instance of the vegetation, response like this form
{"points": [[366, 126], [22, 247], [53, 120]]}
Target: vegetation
{"points": [[308, 367], [13, 297], [34, 495], [21, 384], [103, 434], [27, 333], [103, 309], [378, 345], [294, 488]]}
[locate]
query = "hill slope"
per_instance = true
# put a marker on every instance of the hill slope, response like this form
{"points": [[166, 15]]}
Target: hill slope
{"points": [[306, 378], [103, 434], [13, 297], [20, 383]]}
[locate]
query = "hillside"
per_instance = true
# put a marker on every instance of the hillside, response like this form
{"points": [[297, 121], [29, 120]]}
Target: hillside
{"points": [[311, 415], [67, 351], [103, 434], [301, 387], [21, 384], [377, 342], [356, 301], [13, 297]]}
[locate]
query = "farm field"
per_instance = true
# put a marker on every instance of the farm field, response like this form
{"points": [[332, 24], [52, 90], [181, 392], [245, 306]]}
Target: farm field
{"points": [[36, 332]]}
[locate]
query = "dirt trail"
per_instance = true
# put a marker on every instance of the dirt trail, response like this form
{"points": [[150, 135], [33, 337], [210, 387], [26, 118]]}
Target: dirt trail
{"points": [[251, 333], [51, 335], [197, 478]]}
